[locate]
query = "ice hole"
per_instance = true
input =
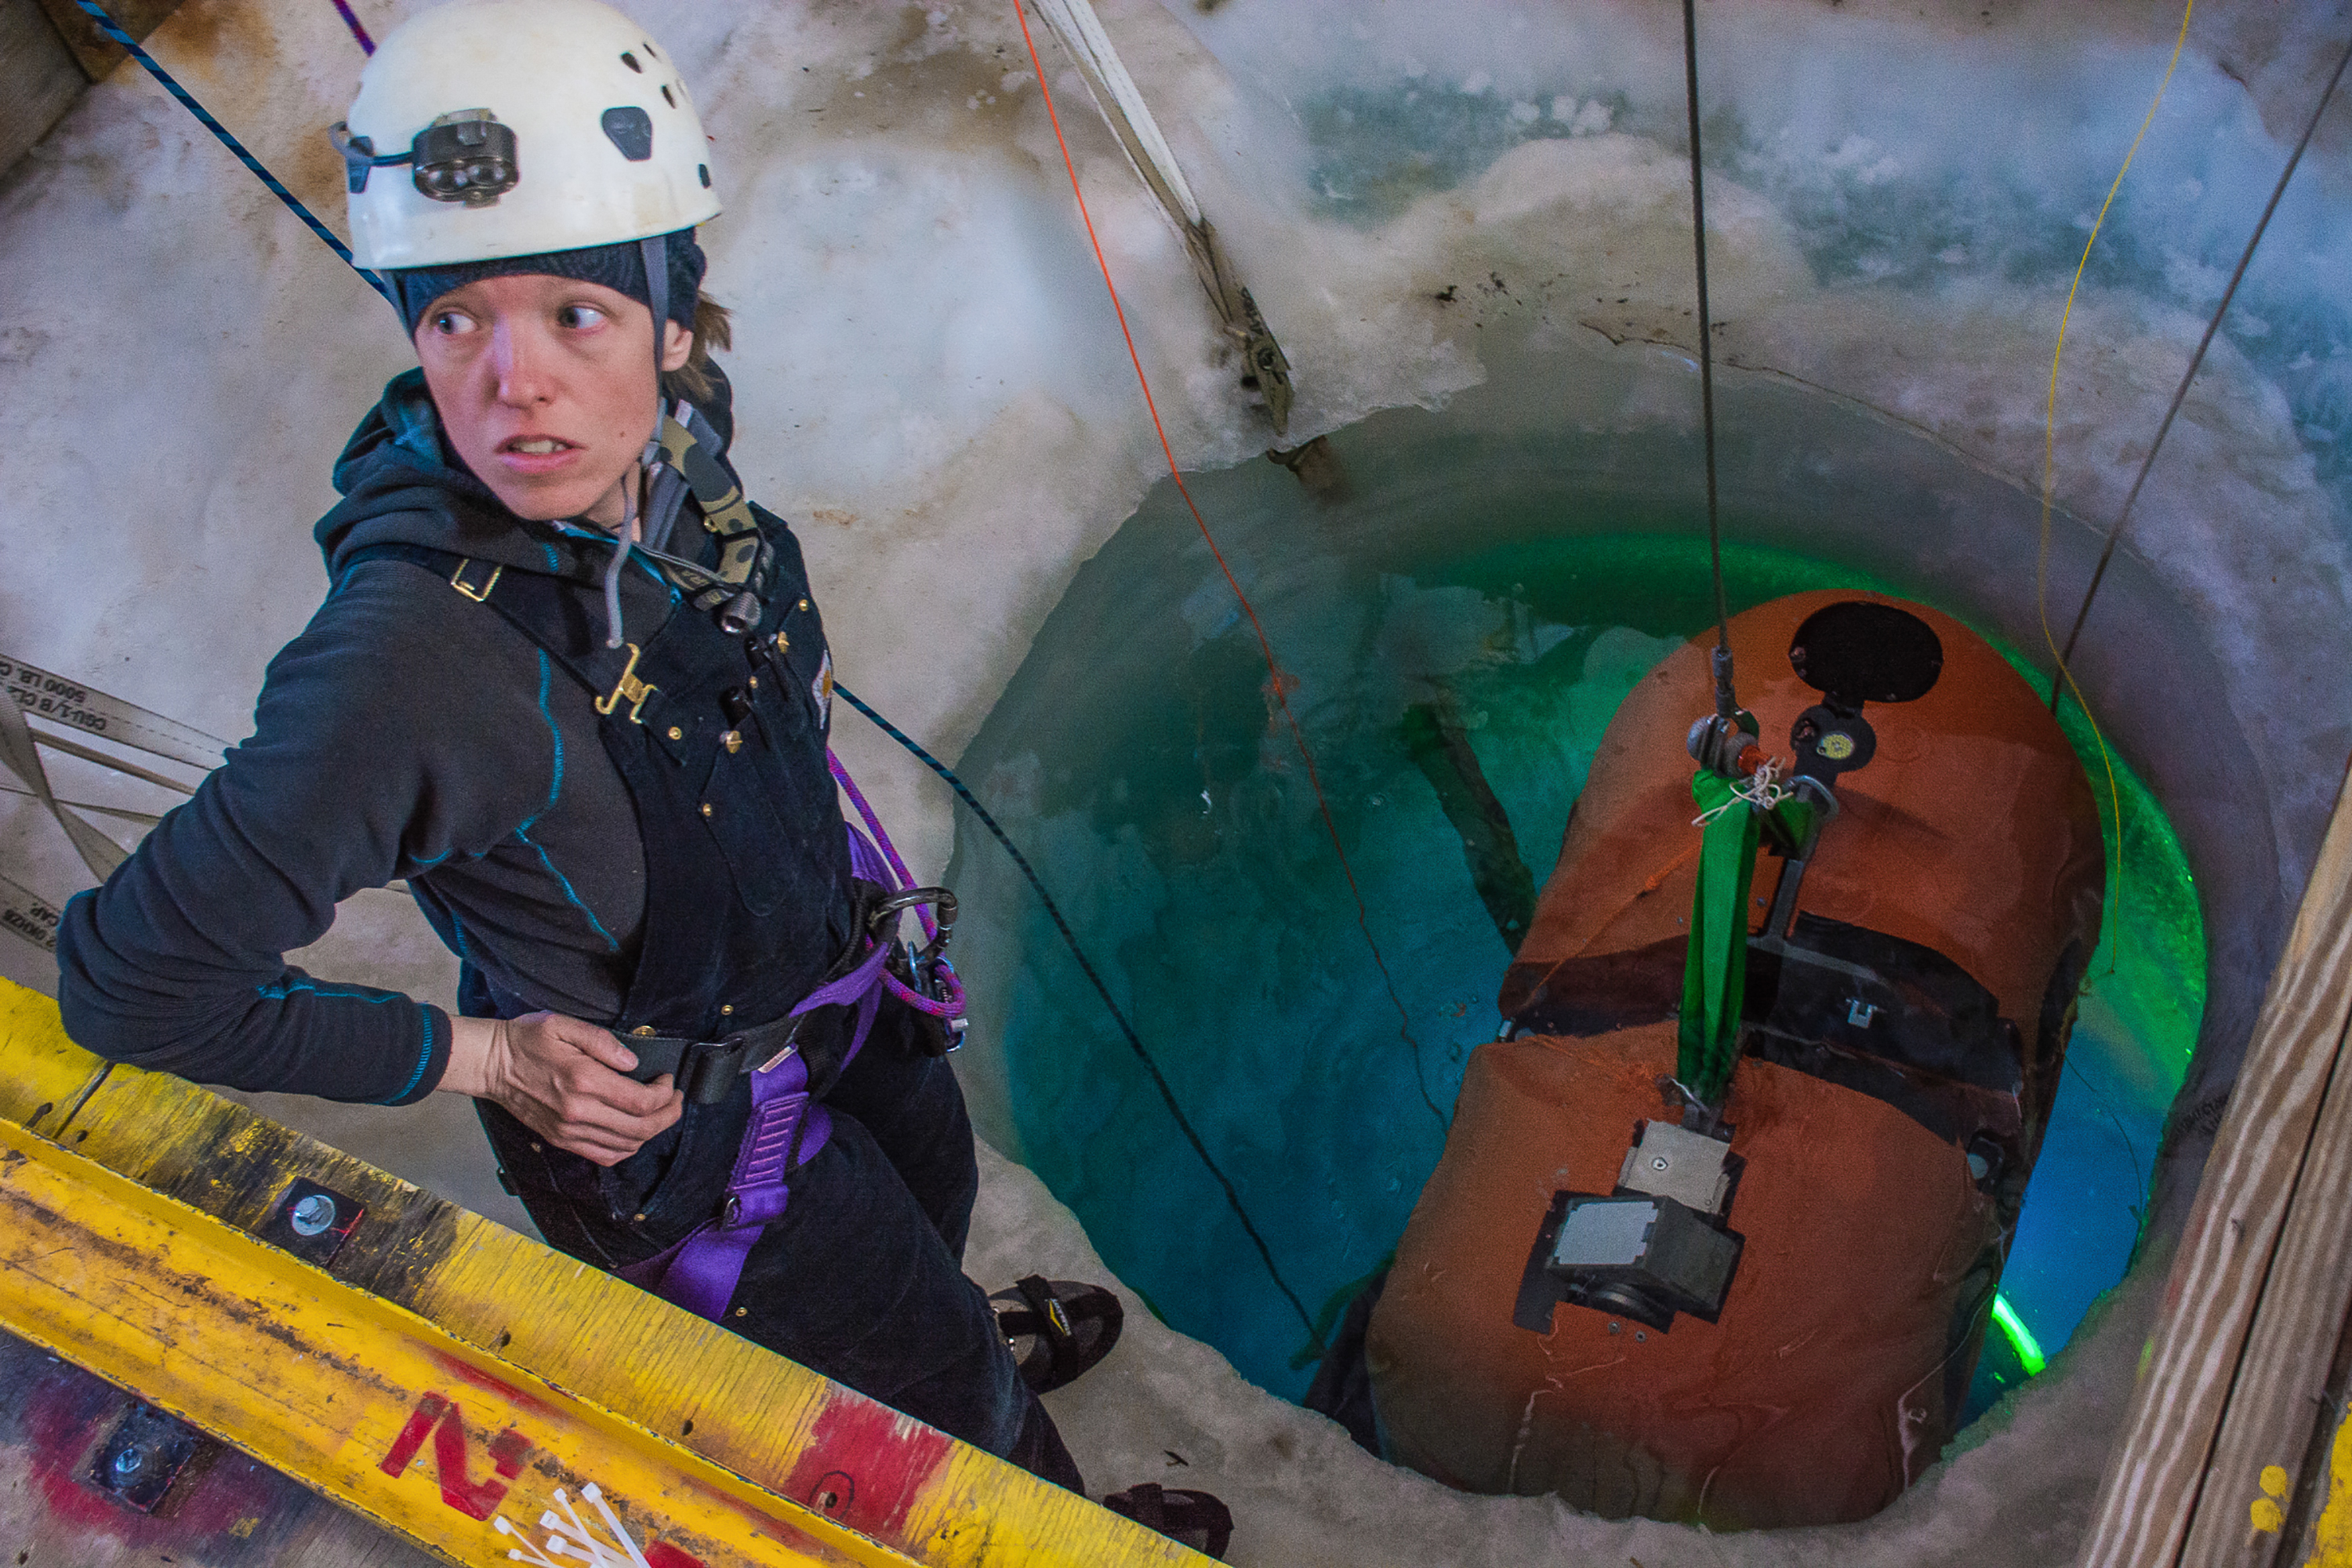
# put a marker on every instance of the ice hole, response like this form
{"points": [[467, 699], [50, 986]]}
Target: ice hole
{"points": [[1528, 571]]}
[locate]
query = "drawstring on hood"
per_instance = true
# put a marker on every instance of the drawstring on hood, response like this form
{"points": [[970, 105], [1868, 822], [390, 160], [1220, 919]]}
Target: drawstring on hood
{"points": [[655, 249], [623, 538]]}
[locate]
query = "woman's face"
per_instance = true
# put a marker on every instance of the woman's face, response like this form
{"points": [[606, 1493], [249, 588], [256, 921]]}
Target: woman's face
{"points": [[545, 386]]}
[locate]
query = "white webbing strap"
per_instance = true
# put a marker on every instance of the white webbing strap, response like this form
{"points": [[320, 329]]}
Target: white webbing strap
{"points": [[72, 705], [26, 914], [1122, 105], [32, 691], [1074, 22], [18, 750]]}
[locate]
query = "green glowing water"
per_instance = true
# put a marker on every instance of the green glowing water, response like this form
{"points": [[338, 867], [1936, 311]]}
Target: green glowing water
{"points": [[1135, 760]]}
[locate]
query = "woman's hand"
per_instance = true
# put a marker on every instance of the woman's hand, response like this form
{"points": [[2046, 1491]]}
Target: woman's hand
{"points": [[564, 1079]]}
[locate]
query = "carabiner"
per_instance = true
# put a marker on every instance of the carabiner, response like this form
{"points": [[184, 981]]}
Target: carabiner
{"points": [[881, 921]]}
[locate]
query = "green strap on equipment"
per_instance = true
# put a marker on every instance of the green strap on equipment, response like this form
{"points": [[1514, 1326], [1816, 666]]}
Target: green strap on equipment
{"points": [[1715, 971]]}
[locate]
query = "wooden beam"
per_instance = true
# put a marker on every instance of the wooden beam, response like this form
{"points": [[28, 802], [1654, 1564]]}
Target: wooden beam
{"points": [[39, 79], [128, 1204], [97, 54], [2260, 1287]]}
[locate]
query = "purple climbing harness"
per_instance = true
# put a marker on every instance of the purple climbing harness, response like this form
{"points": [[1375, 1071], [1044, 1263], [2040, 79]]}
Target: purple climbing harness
{"points": [[787, 1128]]}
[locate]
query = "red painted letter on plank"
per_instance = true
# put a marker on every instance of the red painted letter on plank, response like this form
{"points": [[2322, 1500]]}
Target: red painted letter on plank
{"points": [[474, 1501], [662, 1554], [428, 1410], [437, 1415]]}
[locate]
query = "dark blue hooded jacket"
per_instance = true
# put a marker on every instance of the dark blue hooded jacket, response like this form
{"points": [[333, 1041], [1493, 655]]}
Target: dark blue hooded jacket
{"points": [[406, 733]]}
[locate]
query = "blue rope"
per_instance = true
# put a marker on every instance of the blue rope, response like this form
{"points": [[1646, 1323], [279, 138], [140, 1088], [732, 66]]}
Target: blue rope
{"points": [[107, 25], [1134, 1042]]}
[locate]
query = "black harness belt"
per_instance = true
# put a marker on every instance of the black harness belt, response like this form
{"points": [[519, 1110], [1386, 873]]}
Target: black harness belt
{"points": [[707, 1070]]}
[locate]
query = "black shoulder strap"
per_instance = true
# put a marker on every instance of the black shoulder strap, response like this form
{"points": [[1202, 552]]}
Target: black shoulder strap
{"points": [[552, 612]]}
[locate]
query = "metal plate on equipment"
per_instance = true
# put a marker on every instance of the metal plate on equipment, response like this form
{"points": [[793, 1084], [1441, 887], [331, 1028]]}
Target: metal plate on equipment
{"points": [[145, 1454], [310, 1221]]}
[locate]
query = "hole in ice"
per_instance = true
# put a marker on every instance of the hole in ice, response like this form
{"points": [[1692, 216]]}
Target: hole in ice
{"points": [[1533, 578]]}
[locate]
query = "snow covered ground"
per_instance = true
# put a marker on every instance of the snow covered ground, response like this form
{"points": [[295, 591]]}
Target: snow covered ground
{"points": [[1424, 199]]}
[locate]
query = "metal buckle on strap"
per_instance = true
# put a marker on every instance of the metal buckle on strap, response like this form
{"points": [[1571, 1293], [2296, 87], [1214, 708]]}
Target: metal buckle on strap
{"points": [[628, 688], [707, 1072], [481, 594]]}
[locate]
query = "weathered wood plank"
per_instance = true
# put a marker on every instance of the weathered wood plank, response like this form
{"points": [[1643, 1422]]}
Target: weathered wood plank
{"points": [[97, 54], [346, 1393], [39, 79], [232, 1512], [819, 1451], [2237, 1240], [2281, 1381]]}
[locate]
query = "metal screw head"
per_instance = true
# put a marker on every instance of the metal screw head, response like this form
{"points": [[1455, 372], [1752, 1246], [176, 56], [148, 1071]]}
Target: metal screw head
{"points": [[1658, 1164], [312, 1215]]}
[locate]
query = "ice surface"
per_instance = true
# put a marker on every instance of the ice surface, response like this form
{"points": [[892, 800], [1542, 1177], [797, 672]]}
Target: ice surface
{"points": [[1423, 198]]}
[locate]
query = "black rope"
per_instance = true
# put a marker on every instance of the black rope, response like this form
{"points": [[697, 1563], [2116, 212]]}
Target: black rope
{"points": [[1134, 1042], [1706, 354], [2181, 395], [169, 84]]}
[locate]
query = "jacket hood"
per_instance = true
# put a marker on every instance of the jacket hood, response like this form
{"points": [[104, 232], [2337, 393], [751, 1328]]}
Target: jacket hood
{"points": [[402, 484]]}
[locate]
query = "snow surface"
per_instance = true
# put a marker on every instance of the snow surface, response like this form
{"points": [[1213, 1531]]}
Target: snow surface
{"points": [[933, 385]]}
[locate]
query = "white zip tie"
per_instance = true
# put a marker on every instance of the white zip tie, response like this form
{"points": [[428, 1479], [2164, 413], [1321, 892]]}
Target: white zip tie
{"points": [[595, 1552], [1759, 790], [596, 1496], [500, 1525]]}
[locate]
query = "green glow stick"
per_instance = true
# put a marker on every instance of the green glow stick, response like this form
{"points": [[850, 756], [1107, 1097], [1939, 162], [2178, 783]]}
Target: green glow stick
{"points": [[2020, 1338]]}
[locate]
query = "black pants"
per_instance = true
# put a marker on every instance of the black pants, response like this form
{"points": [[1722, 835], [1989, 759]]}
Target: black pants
{"points": [[862, 1280]]}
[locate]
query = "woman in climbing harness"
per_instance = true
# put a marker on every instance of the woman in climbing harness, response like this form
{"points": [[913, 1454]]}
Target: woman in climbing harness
{"points": [[573, 686]]}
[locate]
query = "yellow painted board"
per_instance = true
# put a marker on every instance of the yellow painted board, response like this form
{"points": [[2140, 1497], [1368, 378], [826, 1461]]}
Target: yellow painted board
{"points": [[705, 1397], [2331, 1537], [346, 1393], [43, 1075]]}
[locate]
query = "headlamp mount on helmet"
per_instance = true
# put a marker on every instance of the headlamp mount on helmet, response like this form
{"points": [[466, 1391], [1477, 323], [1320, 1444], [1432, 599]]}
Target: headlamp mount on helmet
{"points": [[465, 156]]}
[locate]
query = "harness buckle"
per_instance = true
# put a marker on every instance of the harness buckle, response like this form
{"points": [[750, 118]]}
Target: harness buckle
{"points": [[707, 1072], [628, 688], [480, 596]]}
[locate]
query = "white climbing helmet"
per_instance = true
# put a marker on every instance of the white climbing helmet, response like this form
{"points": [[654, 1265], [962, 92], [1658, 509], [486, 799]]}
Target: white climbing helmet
{"points": [[494, 128]]}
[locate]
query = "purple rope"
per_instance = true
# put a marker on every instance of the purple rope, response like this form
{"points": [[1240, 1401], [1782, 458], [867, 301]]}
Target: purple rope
{"points": [[861, 848], [367, 45], [874, 826]]}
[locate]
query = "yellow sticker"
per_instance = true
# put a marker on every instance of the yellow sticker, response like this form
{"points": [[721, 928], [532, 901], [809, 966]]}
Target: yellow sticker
{"points": [[1837, 745]]}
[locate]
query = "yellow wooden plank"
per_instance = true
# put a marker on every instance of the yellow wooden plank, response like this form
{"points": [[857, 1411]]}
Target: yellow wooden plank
{"points": [[704, 1396], [323, 1381], [2331, 1536], [42, 1074]]}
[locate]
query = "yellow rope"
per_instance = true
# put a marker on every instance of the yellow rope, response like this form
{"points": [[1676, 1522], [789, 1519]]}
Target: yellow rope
{"points": [[2050, 473]]}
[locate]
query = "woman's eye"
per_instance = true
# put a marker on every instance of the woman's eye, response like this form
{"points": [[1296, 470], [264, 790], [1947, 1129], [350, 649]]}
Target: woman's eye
{"points": [[579, 317]]}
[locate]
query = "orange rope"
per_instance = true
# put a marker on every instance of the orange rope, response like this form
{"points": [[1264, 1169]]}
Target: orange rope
{"points": [[1278, 682]]}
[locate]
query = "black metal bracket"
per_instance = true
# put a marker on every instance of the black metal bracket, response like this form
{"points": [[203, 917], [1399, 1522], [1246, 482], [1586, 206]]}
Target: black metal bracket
{"points": [[145, 1455], [310, 1221]]}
